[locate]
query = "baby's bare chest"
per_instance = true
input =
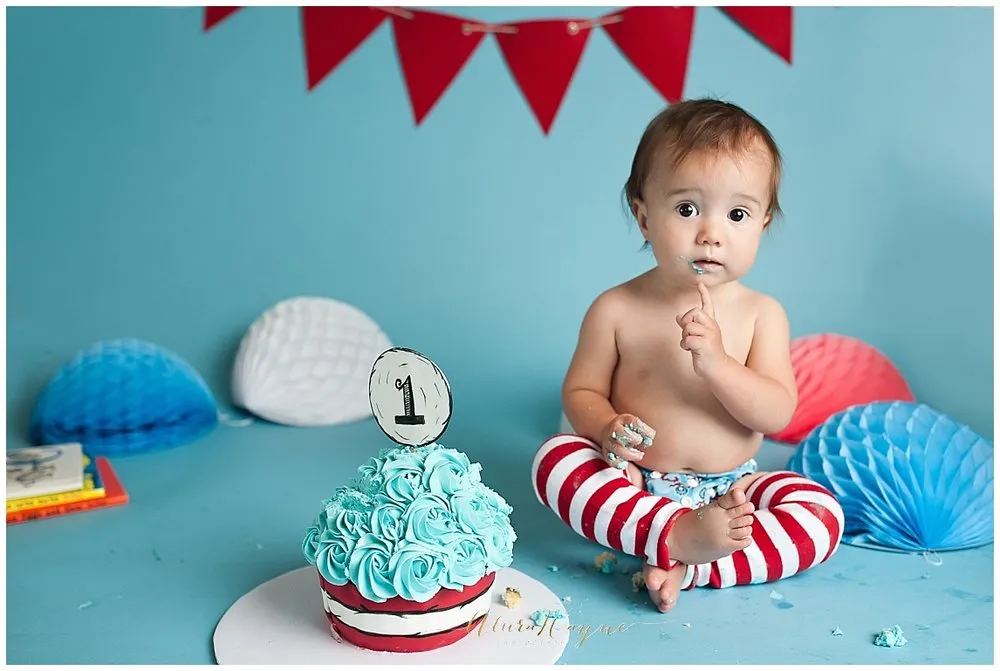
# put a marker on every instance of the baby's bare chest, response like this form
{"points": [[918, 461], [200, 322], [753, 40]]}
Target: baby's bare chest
{"points": [[650, 345]]}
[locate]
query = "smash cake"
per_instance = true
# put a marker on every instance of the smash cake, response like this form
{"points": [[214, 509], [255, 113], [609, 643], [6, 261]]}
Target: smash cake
{"points": [[408, 551]]}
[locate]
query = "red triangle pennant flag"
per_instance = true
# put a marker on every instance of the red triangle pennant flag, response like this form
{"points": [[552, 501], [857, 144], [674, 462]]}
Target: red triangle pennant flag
{"points": [[332, 33], [771, 25], [542, 57], [657, 41], [215, 15], [432, 50]]}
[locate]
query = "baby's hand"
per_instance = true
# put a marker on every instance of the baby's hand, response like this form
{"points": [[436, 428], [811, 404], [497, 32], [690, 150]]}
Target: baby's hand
{"points": [[700, 334], [625, 438]]}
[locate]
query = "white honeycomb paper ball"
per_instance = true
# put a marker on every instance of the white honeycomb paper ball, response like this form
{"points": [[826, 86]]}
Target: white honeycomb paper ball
{"points": [[306, 362]]}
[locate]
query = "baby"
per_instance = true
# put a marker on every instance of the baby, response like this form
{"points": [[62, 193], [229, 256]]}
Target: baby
{"points": [[680, 371]]}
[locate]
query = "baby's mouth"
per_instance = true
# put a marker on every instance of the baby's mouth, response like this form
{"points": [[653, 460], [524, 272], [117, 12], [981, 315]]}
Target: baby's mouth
{"points": [[701, 265]]}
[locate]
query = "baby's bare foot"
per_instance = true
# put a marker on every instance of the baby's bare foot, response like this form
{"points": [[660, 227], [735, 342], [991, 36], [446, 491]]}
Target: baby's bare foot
{"points": [[713, 531], [742, 526], [663, 585]]}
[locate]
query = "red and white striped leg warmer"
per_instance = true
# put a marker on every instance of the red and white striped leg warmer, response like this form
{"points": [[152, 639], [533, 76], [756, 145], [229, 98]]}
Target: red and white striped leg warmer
{"points": [[798, 524], [598, 502]]}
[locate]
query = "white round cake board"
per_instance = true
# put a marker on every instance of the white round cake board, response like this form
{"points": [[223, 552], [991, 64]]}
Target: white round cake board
{"points": [[282, 622]]}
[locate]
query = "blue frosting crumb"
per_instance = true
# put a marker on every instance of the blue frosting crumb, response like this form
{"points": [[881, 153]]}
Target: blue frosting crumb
{"points": [[541, 615], [891, 638]]}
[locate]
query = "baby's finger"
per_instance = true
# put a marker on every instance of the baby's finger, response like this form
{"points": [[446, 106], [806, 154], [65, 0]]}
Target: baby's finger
{"points": [[615, 460], [692, 343], [694, 328], [643, 430], [619, 456], [701, 317], [706, 300], [626, 419], [627, 443], [623, 433], [686, 317], [632, 436]]}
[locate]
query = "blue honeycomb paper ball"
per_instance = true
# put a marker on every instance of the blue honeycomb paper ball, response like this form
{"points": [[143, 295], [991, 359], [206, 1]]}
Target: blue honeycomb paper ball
{"points": [[124, 397], [908, 477]]}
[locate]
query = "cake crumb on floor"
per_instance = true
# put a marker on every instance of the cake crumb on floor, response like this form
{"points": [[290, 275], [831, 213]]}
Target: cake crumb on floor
{"points": [[605, 562], [890, 637], [511, 597]]}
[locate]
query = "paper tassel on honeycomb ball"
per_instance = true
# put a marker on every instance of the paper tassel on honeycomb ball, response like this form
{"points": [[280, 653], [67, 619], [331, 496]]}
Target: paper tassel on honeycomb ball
{"points": [[306, 362], [908, 477], [834, 372], [124, 397]]}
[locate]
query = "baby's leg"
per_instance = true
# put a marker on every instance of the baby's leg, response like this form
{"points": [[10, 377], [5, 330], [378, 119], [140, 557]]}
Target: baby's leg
{"points": [[570, 476], [798, 525]]}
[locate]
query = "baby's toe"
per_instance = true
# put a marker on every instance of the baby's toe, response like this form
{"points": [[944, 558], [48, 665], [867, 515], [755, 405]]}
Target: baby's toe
{"points": [[742, 544], [733, 498], [742, 510], [741, 533], [667, 600], [655, 580], [739, 522]]}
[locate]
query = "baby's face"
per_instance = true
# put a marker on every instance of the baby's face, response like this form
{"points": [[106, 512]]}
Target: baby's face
{"points": [[708, 212]]}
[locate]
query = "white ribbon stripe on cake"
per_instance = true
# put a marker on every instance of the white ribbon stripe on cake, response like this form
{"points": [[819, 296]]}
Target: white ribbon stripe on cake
{"points": [[409, 624]]}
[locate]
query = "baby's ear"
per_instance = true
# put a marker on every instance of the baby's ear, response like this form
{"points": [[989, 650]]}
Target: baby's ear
{"points": [[639, 212], [767, 220]]}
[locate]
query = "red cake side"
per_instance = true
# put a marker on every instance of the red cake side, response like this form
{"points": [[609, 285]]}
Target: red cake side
{"points": [[401, 625]]}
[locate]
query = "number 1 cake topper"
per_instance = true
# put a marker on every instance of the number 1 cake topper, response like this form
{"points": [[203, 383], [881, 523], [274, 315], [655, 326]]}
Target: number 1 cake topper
{"points": [[410, 397]]}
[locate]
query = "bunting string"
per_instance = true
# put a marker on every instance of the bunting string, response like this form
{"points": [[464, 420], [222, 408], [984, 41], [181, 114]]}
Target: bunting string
{"points": [[542, 55]]}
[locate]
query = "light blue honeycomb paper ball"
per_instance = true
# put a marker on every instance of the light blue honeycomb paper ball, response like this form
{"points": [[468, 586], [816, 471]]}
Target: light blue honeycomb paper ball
{"points": [[124, 397], [908, 477]]}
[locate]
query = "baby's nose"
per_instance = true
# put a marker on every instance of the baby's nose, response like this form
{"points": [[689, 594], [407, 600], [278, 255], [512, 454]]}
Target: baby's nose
{"points": [[710, 234]]}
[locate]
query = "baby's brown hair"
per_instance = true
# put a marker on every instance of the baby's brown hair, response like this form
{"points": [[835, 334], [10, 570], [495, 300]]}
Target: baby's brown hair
{"points": [[699, 125]]}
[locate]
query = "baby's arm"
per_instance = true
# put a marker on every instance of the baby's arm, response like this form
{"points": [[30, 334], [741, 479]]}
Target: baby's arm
{"points": [[587, 386], [760, 395]]}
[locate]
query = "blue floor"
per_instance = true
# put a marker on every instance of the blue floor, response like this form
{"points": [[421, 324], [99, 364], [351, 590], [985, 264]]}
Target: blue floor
{"points": [[148, 582]]}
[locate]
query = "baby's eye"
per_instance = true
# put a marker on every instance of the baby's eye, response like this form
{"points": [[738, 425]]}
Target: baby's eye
{"points": [[738, 215], [687, 210]]}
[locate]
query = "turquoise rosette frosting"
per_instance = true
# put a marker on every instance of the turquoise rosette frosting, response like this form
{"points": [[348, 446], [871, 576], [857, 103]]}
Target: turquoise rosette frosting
{"points": [[417, 569], [368, 567], [413, 521]]}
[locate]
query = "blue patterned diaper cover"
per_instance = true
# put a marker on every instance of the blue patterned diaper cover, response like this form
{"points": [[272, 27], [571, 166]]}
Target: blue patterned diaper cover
{"points": [[694, 490]]}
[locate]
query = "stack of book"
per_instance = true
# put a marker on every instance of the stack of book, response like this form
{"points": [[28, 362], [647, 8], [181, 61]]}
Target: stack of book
{"points": [[55, 480]]}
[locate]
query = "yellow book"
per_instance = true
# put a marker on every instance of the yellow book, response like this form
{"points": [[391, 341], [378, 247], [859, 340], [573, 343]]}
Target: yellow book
{"points": [[92, 488]]}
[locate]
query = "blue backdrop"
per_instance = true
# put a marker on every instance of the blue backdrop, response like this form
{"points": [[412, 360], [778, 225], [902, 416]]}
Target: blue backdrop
{"points": [[170, 185]]}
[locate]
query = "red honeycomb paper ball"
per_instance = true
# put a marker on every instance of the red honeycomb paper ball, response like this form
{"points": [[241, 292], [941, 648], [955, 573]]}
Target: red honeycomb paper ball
{"points": [[834, 372]]}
